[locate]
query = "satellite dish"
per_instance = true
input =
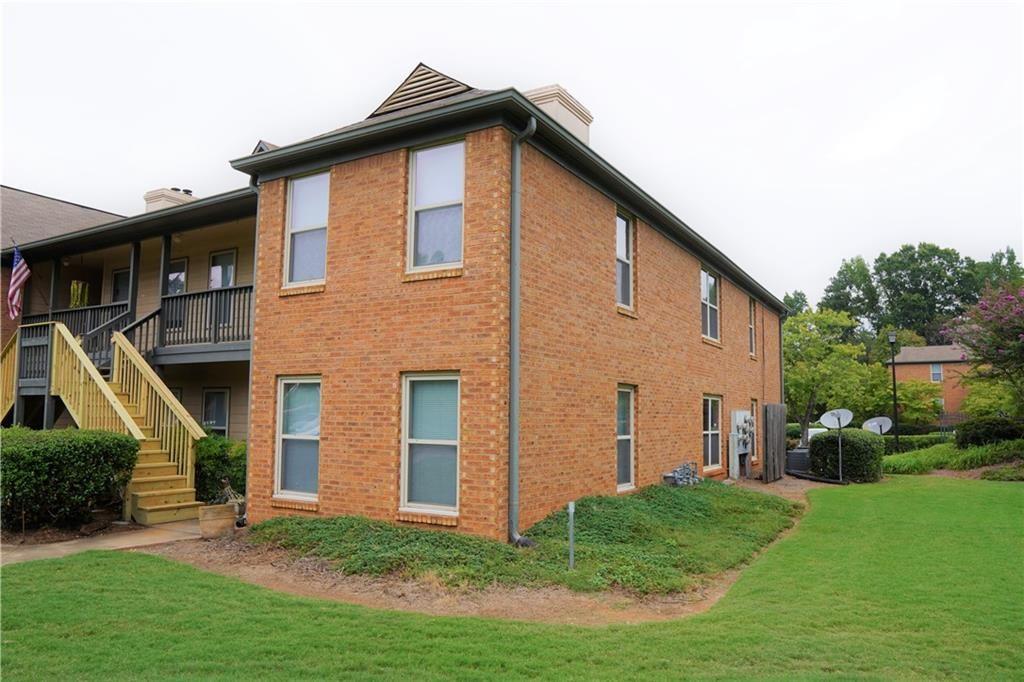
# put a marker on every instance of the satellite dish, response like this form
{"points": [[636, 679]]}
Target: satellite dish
{"points": [[877, 425], [836, 419]]}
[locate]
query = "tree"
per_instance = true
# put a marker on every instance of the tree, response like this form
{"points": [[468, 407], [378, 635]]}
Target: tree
{"points": [[987, 399], [796, 301], [918, 402], [1002, 269], [818, 364], [852, 290], [876, 344], [922, 287], [992, 335]]}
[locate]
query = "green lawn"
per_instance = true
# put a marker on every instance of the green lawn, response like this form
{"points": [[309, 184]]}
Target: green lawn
{"points": [[660, 539], [913, 577]]}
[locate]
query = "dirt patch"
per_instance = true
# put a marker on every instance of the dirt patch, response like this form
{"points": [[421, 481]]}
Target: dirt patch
{"points": [[46, 535], [789, 487], [279, 570]]}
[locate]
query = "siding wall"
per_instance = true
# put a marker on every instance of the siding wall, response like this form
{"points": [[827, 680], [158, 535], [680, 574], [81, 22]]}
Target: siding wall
{"points": [[192, 379]]}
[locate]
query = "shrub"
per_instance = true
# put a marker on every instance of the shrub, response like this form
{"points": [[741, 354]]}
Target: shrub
{"points": [[911, 443], [947, 456], [792, 430], [913, 429], [57, 477], [217, 458], [985, 430], [921, 461], [862, 455], [1013, 472], [985, 455]]}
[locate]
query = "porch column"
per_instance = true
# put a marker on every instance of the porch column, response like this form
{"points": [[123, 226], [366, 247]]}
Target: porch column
{"points": [[133, 278], [165, 271], [54, 280]]}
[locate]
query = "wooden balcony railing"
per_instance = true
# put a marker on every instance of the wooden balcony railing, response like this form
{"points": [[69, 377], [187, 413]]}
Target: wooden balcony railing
{"points": [[97, 342], [214, 316], [8, 377], [80, 321]]}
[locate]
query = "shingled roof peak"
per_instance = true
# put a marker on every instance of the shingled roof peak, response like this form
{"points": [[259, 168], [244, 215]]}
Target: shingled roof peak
{"points": [[423, 85]]}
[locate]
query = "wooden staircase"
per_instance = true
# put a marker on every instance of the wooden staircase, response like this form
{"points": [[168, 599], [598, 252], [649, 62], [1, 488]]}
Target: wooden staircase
{"points": [[157, 493]]}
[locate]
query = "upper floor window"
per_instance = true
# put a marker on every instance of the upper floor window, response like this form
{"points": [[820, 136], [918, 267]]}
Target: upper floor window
{"points": [[752, 327], [623, 261], [306, 243], [435, 224], [936, 372], [709, 305]]}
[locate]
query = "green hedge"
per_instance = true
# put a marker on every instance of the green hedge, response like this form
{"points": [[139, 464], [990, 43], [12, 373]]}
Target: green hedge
{"points": [[985, 430], [911, 443], [948, 456], [57, 477], [218, 458], [862, 455]]}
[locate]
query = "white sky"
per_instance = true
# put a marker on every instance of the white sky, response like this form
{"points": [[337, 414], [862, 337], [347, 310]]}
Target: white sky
{"points": [[789, 135]]}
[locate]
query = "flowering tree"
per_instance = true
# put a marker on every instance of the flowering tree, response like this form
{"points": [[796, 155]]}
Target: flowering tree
{"points": [[992, 336]]}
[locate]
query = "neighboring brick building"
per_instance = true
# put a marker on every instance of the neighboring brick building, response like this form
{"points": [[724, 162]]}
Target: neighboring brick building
{"points": [[944, 365], [458, 286]]}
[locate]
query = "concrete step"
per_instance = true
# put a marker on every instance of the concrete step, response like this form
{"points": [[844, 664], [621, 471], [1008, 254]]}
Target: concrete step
{"points": [[154, 469], [165, 513], [157, 483], [157, 498]]}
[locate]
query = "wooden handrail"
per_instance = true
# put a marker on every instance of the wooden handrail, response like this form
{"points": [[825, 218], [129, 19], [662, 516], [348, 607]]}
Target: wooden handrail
{"points": [[87, 397], [8, 374], [160, 410]]}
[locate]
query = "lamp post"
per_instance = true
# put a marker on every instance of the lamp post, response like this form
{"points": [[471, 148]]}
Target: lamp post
{"points": [[895, 409]]}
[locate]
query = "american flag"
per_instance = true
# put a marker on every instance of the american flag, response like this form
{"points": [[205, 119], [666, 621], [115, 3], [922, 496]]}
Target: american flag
{"points": [[19, 275]]}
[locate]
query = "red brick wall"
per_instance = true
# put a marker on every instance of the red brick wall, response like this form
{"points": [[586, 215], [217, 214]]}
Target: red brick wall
{"points": [[953, 389], [367, 326], [577, 348], [7, 325]]}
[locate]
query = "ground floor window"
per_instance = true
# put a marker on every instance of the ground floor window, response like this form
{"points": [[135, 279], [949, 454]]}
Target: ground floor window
{"points": [[712, 432], [624, 438], [298, 437], [430, 442], [216, 403]]}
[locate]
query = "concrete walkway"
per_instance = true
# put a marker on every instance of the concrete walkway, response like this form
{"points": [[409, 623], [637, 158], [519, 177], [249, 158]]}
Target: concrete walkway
{"points": [[152, 535]]}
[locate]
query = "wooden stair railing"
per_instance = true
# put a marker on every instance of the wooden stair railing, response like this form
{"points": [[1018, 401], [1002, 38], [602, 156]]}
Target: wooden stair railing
{"points": [[86, 395], [178, 432], [8, 374]]}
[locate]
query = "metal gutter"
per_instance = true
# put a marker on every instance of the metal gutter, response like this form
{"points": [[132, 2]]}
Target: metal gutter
{"points": [[515, 109], [223, 207], [515, 317]]}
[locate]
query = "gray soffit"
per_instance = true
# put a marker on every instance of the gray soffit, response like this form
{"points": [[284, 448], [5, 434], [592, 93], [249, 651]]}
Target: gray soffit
{"points": [[233, 205], [423, 85], [473, 110]]}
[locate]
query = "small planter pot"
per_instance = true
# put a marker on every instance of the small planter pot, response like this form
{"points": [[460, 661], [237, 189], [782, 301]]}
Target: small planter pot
{"points": [[216, 520]]}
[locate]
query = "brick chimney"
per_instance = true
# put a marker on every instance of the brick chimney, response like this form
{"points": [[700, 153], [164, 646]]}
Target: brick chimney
{"points": [[556, 102], [157, 199]]}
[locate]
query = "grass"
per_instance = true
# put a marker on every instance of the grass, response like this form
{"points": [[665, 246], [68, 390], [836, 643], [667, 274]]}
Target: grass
{"points": [[916, 577], [659, 539], [947, 456]]}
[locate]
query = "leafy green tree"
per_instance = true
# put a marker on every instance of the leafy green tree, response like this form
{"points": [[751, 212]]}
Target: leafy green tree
{"points": [[796, 301], [987, 398], [852, 290], [921, 287], [876, 345], [918, 401], [1002, 269]]}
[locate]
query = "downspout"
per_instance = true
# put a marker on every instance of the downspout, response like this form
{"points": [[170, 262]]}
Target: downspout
{"points": [[514, 321]]}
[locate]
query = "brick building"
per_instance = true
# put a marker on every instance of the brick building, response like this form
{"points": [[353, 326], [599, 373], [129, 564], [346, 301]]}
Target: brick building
{"points": [[944, 365], [453, 313]]}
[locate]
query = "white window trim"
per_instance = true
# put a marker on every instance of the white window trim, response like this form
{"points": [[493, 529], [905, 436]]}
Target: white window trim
{"points": [[707, 302], [234, 267], [286, 282], [751, 326], [713, 467], [227, 406], [279, 492], [623, 487], [629, 260], [418, 507], [931, 372], [410, 236]]}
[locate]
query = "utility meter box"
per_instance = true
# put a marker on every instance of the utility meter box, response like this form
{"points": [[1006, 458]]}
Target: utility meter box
{"points": [[741, 440]]}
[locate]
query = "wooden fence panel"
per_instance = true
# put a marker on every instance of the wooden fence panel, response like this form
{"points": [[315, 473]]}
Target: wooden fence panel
{"points": [[774, 466]]}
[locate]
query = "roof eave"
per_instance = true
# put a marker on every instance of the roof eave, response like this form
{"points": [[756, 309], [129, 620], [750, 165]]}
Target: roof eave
{"points": [[513, 102]]}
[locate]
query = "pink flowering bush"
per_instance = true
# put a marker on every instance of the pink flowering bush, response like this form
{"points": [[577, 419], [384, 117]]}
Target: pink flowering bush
{"points": [[992, 336]]}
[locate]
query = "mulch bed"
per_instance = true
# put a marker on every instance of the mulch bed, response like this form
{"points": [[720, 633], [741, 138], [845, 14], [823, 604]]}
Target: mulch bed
{"points": [[103, 522]]}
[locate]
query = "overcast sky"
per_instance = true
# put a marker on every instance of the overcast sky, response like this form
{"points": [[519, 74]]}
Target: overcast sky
{"points": [[791, 136]]}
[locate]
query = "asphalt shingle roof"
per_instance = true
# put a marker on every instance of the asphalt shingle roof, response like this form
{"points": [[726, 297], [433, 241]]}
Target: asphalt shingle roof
{"points": [[28, 217], [920, 354]]}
